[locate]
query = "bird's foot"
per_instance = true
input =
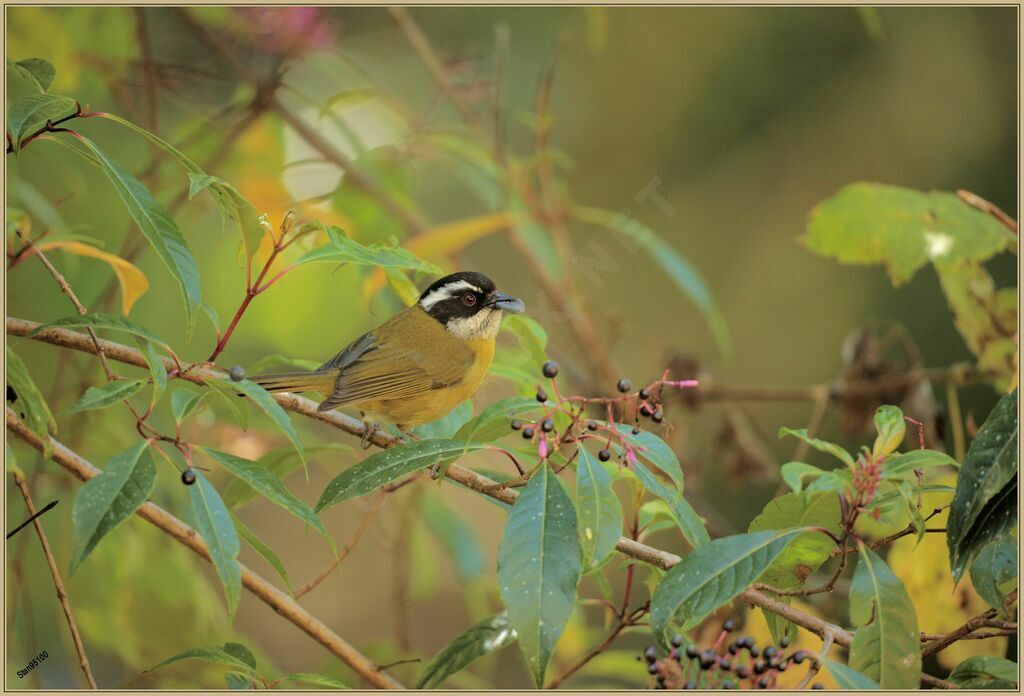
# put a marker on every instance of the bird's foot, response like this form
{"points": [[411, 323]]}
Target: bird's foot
{"points": [[369, 428]]}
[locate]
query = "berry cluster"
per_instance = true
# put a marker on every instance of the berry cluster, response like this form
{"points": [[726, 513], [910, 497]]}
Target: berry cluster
{"points": [[629, 407], [738, 665]]}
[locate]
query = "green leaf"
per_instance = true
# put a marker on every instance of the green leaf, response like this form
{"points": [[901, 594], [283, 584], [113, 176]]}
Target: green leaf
{"points": [[185, 403], [457, 536], [97, 320], [317, 680], [981, 671], [493, 422], [993, 568], [712, 575], [110, 498], [262, 549], [686, 517], [238, 681], [905, 490], [986, 483], [36, 70], [820, 445], [598, 510], [488, 636], [384, 467], [793, 474], [903, 229], [30, 402], [891, 428], [280, 462], [539, 567], [903, 465], [887, 646], [216, 654], [262, 398], [27, 114], [227, 396], [157, 370], [678, 268], [531, 336], [241, 652], [341, 249], [234, 206], [217, 530], [849, 679], [109, 393], [653, 449], [159, 228], [808, 552], [447, 425], [267, 485]]}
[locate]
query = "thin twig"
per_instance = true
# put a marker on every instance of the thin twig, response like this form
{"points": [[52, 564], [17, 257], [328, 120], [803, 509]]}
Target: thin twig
{"points": [[816, 664], [992, 209], [264, 590], [62, 595]]}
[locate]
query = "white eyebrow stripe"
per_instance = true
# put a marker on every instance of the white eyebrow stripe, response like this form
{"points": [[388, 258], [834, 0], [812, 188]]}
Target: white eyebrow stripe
{"points": [[446, 292]]}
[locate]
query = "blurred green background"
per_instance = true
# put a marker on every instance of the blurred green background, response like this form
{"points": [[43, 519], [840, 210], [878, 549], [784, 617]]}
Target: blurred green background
{"points": [[719, 129]]}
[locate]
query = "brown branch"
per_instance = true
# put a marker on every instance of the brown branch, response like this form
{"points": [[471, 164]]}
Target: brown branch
{"points": [[268, 593], [363, 526], [984, 206], [466, 477], [940, 644], [62, 595]]}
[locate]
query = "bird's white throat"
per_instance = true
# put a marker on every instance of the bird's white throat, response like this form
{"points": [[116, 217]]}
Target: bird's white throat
{"points": [[484, 324]]}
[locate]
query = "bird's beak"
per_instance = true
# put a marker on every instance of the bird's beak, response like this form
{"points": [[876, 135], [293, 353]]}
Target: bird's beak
{"points": [[506, 303]]}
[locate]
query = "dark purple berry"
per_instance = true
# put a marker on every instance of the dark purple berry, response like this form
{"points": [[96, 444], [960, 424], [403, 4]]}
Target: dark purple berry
{"points": [[754, 652], [818, 686], [604, 455], [689, 685], [724, 663], [781, 666], [651, 654], [591, 425], [645, 410], [236, 373], [729, 625], [762, 683], [770, 652], [742, 672], [542, 395], [784, 643], [733, 648], [677, 640], [760, 667], [653, 668], [658, 416], [644, 393], [636, 429], [547, 425], [550, 369], [728, 684], [624, 385], [799, 656], [516, 425], [188, 477], [692, 652], [527, 433]]}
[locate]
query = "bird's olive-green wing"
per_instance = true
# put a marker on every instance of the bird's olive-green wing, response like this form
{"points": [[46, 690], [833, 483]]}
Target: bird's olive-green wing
{"points": [[398, 361]]}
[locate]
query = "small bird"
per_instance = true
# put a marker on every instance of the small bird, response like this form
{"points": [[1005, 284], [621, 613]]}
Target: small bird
{"points": [[418, 365]]}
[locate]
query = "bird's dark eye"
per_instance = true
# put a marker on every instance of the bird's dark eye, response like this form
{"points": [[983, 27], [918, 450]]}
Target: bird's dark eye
{"points": [[469, 299]]}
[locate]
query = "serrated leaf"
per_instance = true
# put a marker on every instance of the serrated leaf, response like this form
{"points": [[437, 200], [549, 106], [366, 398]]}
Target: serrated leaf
{"points": [[539, 567], [317, 680], [263, 550], [987, 474], [820, 445], [848, 678], [107, 394], [27, 114], [457, 536], [98, 320], [110, 498], [217, 654], [807, 553], [267, 485], [37, 414], [686, 517], [712, 575], [159, 228], [994, 566], [891, 428], [218, 531], [388, 465], [887, 646], [341, 249], [676, 266], [133, 282], [598, 511], [490, 635], [38, 71], [901, 228], [266, 403]]}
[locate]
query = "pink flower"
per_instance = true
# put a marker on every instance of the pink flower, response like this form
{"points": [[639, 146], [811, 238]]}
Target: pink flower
{"points": [[287, 30], [542, 448]]}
